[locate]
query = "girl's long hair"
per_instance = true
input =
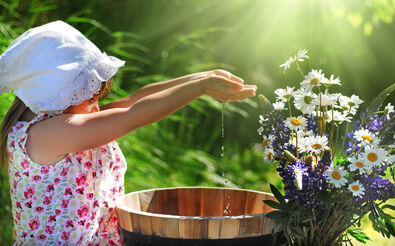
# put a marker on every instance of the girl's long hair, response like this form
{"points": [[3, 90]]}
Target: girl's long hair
{"points": [[15, 113]]}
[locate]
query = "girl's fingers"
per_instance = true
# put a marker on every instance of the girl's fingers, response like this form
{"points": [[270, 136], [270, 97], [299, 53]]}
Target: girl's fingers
{"points": [[228, 75]]}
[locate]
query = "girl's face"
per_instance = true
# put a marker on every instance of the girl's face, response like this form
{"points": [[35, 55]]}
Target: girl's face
{"points": [[91, 105]]}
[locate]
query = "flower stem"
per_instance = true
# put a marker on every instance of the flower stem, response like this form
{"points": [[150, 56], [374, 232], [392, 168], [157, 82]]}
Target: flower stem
{"points": [[344, 139], [299, 69]]}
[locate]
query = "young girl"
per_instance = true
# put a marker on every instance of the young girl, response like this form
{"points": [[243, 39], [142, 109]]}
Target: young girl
{"points": [[65, 169]]}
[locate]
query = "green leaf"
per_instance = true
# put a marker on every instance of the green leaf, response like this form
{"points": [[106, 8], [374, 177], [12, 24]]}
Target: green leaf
{"points": [[277, 228], [376, 103], [390, 226], [388, 206], [276, 214], [272, 204], [277, 194]]}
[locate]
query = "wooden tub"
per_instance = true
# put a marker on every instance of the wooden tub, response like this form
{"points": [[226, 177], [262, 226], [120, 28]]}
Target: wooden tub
{"points": [[195, 216]]}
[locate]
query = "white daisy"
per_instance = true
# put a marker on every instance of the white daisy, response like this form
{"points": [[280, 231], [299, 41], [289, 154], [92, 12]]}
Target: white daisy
{"points": [[351, 104], [315, 144], [337, 117], [356, 188], [302, 146], [366, 137], [336, 175], [388, 110], [260, 130], [262, 119], [285, 94], [304, 101], [288, 63], [295, 123], [279, 105], [267, 141], [361, 165], [268, 155], [331, 81], [325, 100], [312, 79], [374, 156], [298, 57]]}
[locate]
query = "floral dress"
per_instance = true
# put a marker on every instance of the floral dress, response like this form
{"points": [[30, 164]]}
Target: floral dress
{"points": [[70, 202]]}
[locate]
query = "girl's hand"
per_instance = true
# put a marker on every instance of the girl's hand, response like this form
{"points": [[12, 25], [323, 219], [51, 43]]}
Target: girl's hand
{"points": [[227, 87], [219, 72]]}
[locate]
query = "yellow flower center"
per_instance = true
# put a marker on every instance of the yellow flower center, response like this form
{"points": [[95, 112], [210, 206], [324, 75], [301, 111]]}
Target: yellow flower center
{"points": [[372, 157], [355, 188], [270, 156], [265, 143], [316, 146], [314, 81], [296, 122], [336, 175], [367, 138], [359, 164], [352, 104]]}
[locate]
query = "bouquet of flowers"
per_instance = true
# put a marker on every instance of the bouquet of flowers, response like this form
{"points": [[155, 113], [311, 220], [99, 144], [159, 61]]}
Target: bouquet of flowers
{"points": [[335, 169]]}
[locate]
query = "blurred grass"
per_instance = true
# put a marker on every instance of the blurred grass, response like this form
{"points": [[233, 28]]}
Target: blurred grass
{"points": [[162, 39]]}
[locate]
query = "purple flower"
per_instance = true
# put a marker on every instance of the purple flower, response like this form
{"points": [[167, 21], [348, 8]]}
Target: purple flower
{"points": [[376, 188]]}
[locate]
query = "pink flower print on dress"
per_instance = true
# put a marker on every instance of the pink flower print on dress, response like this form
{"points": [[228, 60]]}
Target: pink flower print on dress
{"points": [[36, 178], [33, 224], [12, 144], [38, 209], [18, 216], [83, 211], [69, 224], [90, 196], [67, 159], [103, 150], [64, 171], [116, 167], [95, 203], [47, 200], [29, 192], [65, 236], [68, 191], [111, 242], [81, 179], [19, 126], [25, 163], [50, 188], [58, 212], [28, 204], [18, 205], [65, 203], [94, 174], [79, 159], [24, 234], [117, 159], [93, 217], [44, 169], [52, 218], [82, 222], [88, 165], [56, 180], [100, 163], [41, 237], [15, 184], [80, 190], [49, 229]]}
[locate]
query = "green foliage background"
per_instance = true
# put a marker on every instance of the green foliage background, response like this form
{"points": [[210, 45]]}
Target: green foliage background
{"points": [[162, 39]]}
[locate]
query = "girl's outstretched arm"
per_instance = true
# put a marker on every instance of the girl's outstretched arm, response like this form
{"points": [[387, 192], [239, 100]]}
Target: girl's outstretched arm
{"points": [[51, 139], [160, 86]]}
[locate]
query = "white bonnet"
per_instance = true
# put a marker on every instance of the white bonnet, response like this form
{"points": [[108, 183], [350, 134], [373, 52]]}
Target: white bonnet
{"points": [[54, 66]]}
